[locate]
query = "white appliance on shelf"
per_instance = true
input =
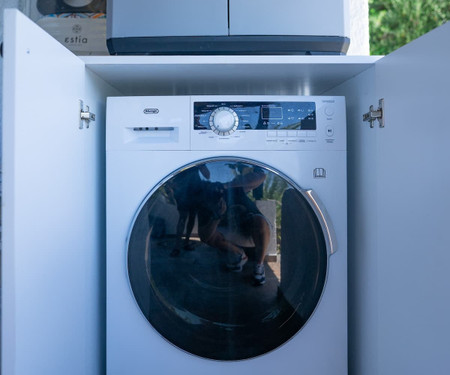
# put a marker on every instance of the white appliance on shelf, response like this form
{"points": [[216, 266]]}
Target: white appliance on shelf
{"points": [[170, 309], [228, 27]]}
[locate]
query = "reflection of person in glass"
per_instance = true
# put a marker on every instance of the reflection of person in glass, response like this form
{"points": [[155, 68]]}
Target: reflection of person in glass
{"points": [[186, 188], [229, 206]]}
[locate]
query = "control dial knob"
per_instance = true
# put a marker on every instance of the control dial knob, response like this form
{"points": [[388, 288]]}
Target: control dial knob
{"points": [[223, 121]]}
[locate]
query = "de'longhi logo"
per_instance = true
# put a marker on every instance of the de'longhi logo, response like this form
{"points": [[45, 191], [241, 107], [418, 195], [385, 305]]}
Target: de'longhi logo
{"points": [[151, 111]]}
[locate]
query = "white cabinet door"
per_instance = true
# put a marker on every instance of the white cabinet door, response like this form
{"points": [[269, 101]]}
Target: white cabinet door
{"points": [[413, 190], [399, 206], [52, 231]]}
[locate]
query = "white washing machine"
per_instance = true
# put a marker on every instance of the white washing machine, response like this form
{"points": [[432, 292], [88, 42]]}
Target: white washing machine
{"points": [[226, 235]]}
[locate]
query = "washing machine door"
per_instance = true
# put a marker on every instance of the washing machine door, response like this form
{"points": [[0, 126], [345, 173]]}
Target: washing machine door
{"points": [[195, 252]]}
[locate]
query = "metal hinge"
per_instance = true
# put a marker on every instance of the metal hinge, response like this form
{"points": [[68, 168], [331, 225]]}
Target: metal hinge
{"points": [[85, 116], [375, 114]]}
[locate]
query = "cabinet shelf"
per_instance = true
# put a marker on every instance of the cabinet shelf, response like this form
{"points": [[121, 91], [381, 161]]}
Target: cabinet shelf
{"points": [[226, 75]]}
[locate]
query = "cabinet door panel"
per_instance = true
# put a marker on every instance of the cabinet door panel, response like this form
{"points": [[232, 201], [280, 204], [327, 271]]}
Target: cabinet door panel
{"points": [[49, 296], [413, 207], [399, 179]]}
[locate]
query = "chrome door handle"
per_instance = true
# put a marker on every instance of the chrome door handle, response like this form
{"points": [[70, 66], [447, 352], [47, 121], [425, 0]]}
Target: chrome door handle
{"points": [[324, 219]]}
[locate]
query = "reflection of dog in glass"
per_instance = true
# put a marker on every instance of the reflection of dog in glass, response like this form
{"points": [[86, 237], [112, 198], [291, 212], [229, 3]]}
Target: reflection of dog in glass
{"points": [[228, 205], [187, 191]]}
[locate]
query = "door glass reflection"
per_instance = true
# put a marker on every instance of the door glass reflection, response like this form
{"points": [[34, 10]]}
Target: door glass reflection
{"points": [[226, 259]]}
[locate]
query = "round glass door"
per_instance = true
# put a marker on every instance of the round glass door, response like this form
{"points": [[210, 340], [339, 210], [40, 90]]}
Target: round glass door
{"points": [[227, 259]]}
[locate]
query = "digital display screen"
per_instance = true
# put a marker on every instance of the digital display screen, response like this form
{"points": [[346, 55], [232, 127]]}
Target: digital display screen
{"points": [[271, 113]]}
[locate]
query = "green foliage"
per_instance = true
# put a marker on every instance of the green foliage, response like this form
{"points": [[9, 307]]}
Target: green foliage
{"points": [[393, 23]]}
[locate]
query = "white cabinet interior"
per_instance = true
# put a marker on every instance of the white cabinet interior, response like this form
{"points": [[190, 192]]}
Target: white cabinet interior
{"points": [[53, 271], [233, 75]]}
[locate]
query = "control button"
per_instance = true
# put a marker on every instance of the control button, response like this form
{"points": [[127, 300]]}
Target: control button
{"points": [[330, 131], [329, 110], [301, 133], [271, 134], [311, 133], [292, 134], [282, 133]]}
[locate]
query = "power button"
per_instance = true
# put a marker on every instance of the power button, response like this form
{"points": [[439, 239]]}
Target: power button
{"points": [[329, 110]]}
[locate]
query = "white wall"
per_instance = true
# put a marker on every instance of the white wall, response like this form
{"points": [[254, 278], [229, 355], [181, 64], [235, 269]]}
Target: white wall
{"points": [[359, 28]]}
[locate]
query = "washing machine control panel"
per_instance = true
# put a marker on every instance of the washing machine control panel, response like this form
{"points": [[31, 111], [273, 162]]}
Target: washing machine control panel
{"points": [[227, 123], [224, 118], [283, 122]]}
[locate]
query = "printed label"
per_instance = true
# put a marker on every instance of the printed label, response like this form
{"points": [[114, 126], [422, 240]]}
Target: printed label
{"points": [[83, 36]]}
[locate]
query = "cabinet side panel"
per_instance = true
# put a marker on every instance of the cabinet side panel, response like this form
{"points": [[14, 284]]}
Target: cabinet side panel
{"points": [[50, 293], [96, 90], [362, 232], [8, 305], [414, 185]]}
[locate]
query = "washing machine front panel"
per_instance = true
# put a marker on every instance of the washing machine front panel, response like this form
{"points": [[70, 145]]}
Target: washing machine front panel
{"points": [[183, 281], [151, 141]]}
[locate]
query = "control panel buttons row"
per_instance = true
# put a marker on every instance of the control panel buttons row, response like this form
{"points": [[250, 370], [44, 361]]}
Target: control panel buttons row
{"points": [[329, 131], [291, 133]]}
